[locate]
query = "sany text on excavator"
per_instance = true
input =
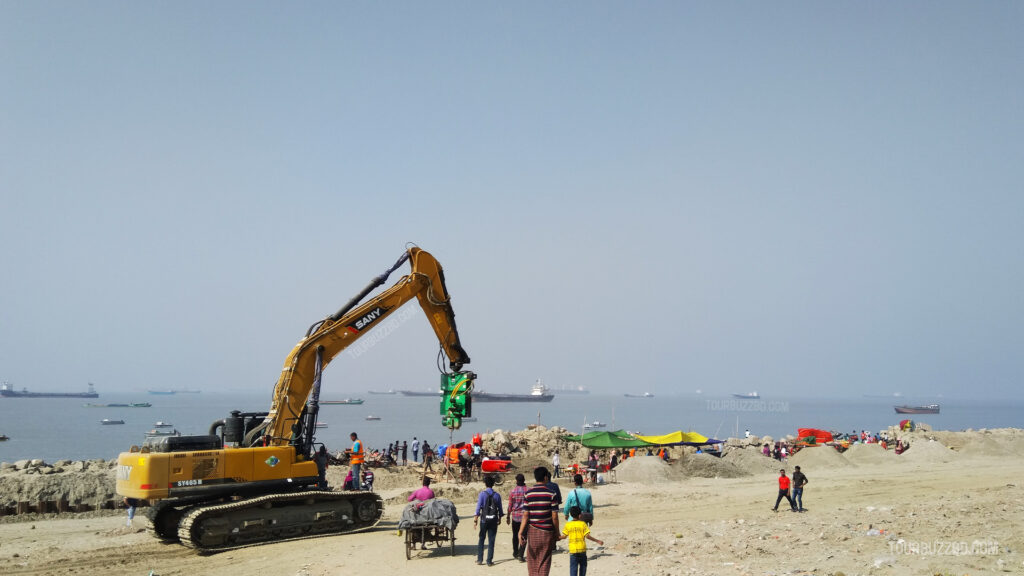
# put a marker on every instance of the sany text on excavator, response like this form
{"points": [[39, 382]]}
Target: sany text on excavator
{"points": [[252, 478]]}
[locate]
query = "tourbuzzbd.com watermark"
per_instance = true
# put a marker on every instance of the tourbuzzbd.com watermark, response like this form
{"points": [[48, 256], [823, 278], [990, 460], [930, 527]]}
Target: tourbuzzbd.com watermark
{"points": [[740, 405], [371, 339], [944, 547]]}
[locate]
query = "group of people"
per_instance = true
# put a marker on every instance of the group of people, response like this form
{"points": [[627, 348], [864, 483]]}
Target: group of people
{"points": [[534, 514], [796, 485]]}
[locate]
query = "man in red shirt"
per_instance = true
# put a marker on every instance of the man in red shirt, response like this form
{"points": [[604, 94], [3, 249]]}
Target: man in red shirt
{"points": [[783, 491]]}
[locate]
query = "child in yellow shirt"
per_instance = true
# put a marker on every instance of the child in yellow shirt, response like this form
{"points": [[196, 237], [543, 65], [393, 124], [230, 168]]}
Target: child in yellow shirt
{"points": [[578, 533]]}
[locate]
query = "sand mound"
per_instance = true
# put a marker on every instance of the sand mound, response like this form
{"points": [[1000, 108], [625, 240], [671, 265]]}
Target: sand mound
{"points": [[928, 452], [818, 457], [868, 454], [708, 466], [751, 461], [646, 470]]}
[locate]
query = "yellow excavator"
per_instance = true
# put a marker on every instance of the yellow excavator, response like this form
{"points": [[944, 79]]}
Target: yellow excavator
{"points": [[254, 478]]}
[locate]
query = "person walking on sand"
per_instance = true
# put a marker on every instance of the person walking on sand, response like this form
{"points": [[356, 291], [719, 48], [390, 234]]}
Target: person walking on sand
{"points": [[356, 459], [799, 480], [556, 462], [405, 453], [783, 491], [578, 533], [580, 498], [489, 505], [428, 457], [415, 450], [516, 500], [542, 523]]}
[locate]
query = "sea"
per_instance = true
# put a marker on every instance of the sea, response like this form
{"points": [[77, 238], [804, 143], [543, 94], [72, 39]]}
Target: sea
{"points": [[54, 429]]}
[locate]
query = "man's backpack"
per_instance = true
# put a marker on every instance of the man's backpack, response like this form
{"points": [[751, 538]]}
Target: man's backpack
{"points": [[492, 508]]}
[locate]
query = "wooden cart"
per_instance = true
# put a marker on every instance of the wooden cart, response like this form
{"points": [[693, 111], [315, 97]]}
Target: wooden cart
{"points": [[428, 535]]}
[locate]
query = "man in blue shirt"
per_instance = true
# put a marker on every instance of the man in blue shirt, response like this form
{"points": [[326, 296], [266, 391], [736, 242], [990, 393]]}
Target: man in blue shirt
{"points": [[489, 505], [579, 496]]}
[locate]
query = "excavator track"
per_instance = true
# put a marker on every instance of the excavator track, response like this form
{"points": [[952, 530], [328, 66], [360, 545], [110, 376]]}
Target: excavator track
{"points": [[278, 517]]}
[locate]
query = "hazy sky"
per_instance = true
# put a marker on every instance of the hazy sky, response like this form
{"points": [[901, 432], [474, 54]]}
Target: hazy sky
{"points": [[795, 198]]}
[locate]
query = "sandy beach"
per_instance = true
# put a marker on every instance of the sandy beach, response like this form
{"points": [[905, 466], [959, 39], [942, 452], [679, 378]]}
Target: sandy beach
{"points": [[952, 505]]}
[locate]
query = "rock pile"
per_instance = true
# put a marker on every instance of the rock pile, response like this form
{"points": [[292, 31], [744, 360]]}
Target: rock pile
{"points": [[86, 481]]}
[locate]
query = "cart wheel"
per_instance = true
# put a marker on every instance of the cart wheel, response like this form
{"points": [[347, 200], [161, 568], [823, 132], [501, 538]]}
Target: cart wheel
{"points": [[499, 479], [451, 543], [408, 544]]}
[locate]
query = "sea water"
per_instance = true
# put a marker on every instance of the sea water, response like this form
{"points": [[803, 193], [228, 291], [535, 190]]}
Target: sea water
{"points": [[64, 428]]}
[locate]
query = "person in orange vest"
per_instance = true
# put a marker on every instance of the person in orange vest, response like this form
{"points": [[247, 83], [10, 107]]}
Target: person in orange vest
{"points": [[632, 452], [356, 455]]}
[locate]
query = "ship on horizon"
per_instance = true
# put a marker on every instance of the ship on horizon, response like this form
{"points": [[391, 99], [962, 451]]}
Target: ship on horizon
{"points": [[7, 391]]}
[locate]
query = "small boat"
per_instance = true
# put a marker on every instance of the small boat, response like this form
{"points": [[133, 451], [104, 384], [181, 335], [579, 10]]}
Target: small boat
{"points": [[131, 405], [345, 401], [155, 432], [321, 425], [108, 421], [594, 424], [644, 395], [4, 438], [927, 409], [372, 417], [162, 424], [747, 396]]}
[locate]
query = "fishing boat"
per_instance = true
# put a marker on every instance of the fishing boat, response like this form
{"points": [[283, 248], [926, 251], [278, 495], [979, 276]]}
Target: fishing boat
{"points": [[4, 438], [8, 392], [747, 396], [345, 401], [108, 421], [372, 417], [156, 433], [162, 424], [644, 395], [927, 409], [594, 424]]}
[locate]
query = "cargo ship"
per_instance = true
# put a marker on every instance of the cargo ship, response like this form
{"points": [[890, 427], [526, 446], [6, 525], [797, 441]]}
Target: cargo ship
{"points": [[929, 409], [7, 392], [539, 393], [435, 394], [345, 401]]}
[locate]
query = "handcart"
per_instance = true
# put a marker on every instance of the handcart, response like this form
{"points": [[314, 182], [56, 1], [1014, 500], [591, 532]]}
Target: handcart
{"points": [[430, 523]]}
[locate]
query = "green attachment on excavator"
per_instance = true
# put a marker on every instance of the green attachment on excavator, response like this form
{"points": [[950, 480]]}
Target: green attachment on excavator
{"points": [[456, 402]]}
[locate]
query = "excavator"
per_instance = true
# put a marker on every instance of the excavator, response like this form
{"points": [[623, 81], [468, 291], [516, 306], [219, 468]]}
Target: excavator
{"points": [[254, 478]]}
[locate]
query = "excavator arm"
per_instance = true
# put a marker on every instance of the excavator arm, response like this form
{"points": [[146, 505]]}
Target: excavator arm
{"points": [[329, 337]]}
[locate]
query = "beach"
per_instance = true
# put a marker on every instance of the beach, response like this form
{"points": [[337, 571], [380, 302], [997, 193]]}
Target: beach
{"points": [[952, 504]]}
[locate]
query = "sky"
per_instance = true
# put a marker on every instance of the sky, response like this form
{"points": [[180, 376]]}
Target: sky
{"points": [[799, 198]]}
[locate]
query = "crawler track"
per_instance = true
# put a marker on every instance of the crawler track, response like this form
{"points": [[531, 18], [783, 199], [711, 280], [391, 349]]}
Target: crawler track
{"points": [[278, 517]]}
